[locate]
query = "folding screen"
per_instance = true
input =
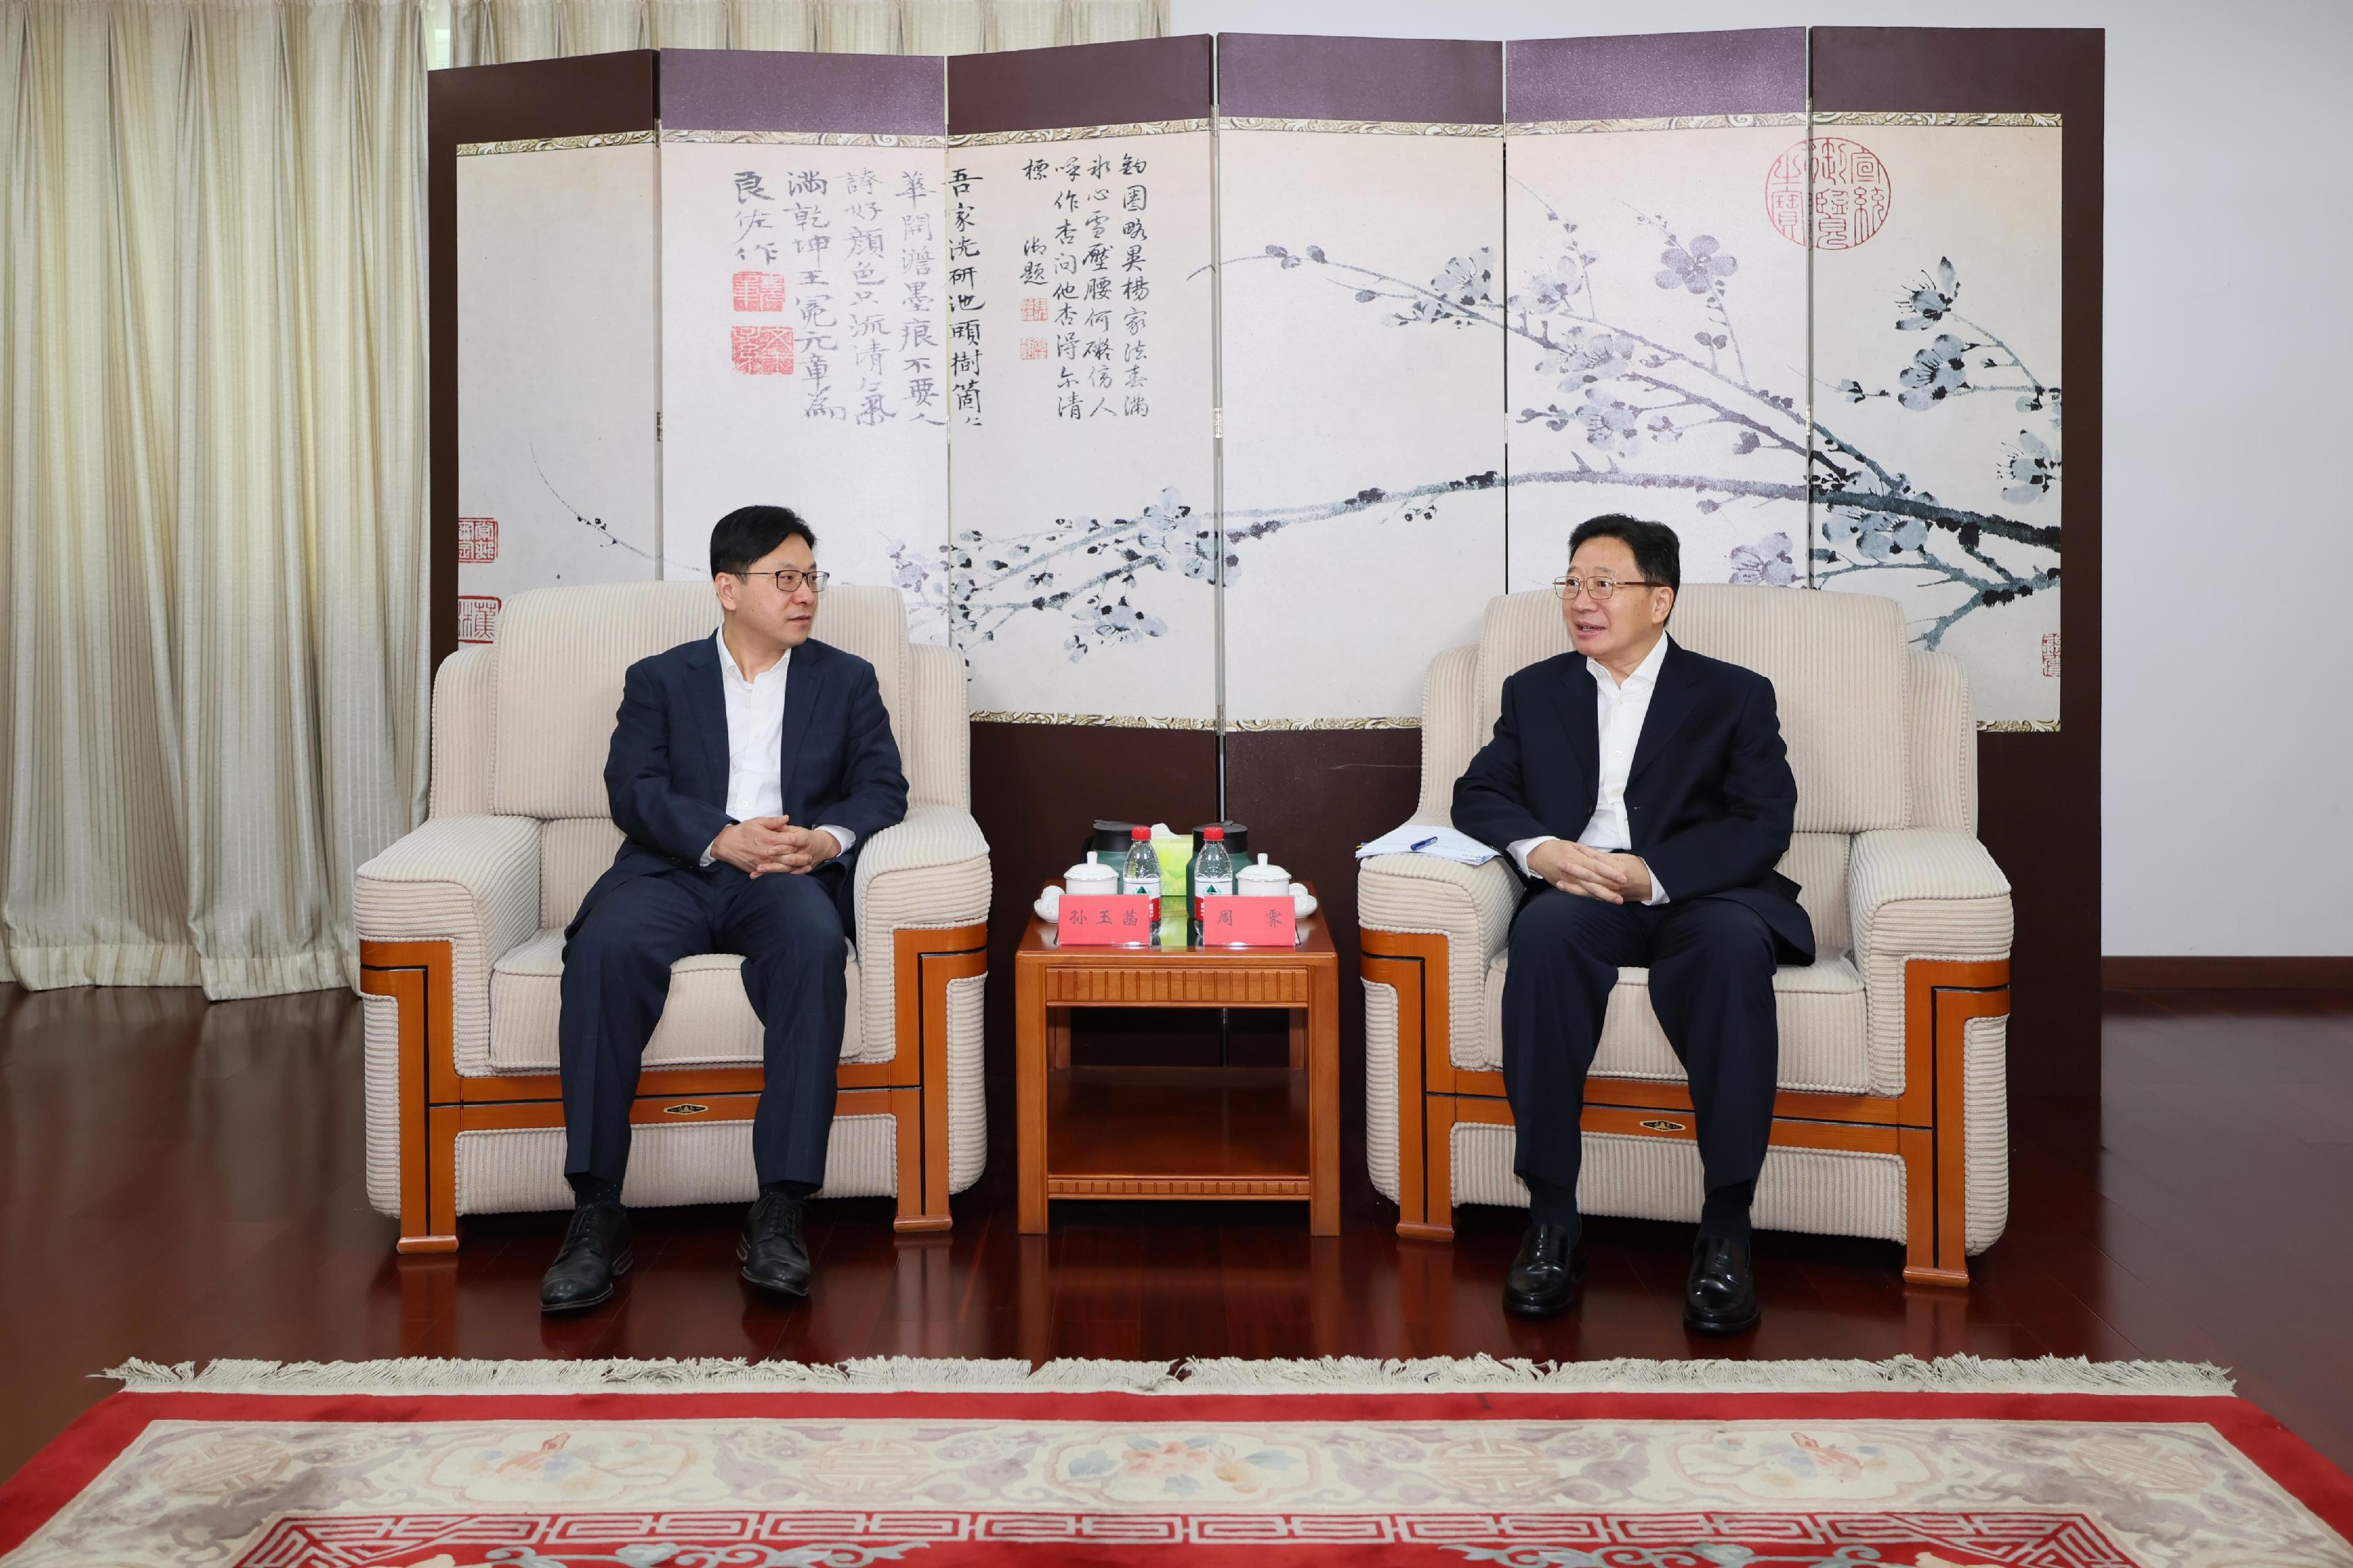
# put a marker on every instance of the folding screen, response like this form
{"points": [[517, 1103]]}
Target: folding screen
{"points": [[1658, 316], [1200, 409], [1081, 287], [804, 345], [557, 341], [1361, 368]]}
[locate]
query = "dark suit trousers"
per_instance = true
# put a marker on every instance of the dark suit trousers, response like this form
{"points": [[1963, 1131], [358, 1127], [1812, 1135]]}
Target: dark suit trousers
{"points": [[1710, 964], [616, 977]]}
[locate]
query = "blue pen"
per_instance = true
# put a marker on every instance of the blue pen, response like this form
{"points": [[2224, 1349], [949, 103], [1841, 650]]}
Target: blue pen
{"points": [[1418, 848]]}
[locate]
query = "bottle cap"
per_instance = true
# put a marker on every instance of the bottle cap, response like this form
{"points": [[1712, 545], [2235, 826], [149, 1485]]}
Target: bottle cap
{"points": [[1214, 835], [1139, 831]]}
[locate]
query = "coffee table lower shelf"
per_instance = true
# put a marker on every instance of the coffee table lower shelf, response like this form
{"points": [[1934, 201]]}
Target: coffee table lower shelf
{"points": [[1172, 1132]]}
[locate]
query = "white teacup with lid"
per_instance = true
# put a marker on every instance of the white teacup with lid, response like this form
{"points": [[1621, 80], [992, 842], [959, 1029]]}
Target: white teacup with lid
{"points": [[1267, 881], [1085, 880], [1262, 881]]}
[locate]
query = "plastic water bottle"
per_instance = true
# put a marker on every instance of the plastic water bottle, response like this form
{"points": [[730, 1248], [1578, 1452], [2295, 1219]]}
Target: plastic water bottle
{"points": [[1141, 872], [1213, 867]]}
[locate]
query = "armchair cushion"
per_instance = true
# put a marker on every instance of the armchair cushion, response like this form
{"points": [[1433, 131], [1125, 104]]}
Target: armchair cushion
{"points": [[1841, 676], [472, 881], [1824, 1034], [562, 653], [1470, 906], [707, 1022], [928, 871], [463, 741], [934, 738], [1919, 892]]}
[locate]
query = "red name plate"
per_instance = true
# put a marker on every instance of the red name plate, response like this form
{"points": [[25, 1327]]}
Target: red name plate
{"points": [[1241, 922], [1115, 920]]}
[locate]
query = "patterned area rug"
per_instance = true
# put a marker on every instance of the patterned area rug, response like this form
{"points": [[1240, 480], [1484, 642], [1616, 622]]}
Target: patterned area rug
{"points": [[1949, 1464]]}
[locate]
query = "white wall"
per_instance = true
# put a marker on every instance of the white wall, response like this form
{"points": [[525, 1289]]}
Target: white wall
{"points": [[2229, 724]]}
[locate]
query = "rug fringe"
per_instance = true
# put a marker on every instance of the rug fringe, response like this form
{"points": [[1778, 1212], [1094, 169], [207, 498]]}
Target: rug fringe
{"points": [[1946, 1374], [1218, 1374]]}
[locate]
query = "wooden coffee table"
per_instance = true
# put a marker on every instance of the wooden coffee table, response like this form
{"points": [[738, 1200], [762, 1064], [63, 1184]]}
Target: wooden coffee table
{"points": [[1178, 1133]]}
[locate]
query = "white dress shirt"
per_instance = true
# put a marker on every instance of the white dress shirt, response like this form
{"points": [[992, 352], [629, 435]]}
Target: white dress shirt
{"points": [[1619, 710], [755, 741]]}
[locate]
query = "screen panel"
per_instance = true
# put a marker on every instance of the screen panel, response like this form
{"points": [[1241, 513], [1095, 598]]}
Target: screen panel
{"points": [[805, 311], [558, 355], [1081, 295], [1361, 368], [1938, 378], [1657, 313]]}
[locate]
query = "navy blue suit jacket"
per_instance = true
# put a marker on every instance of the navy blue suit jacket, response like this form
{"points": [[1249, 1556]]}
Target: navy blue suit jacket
{"points": [[1709, 800], [666, 775]]}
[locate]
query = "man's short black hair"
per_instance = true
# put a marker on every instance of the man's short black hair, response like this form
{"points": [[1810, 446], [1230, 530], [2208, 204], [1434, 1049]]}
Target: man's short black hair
{"points": [[1657, 554], [750, 532]]}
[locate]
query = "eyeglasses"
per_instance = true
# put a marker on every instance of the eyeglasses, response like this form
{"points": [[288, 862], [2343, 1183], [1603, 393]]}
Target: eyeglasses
{"points": [[1603, 589], [790, 578]]}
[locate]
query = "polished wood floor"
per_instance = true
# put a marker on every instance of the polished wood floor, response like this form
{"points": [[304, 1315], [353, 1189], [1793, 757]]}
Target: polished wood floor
{"points": [[183, 1181]]}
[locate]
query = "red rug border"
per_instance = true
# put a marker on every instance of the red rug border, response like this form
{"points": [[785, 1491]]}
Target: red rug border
{"points": [[73, 1459]]}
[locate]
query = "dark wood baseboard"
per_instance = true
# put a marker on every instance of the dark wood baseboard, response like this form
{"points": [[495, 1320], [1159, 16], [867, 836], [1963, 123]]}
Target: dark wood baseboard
{"points": [[2323, 972]]}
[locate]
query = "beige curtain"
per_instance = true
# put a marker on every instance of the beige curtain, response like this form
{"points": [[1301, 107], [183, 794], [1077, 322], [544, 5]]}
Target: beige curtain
{"points": [[213, 454], [213, 436], [484, 32]]}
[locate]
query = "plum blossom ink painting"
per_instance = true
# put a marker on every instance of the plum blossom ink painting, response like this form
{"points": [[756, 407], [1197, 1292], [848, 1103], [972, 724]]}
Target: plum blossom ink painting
{"points": [[1362, 456], [1936, 396], [1657, 326], [1891, 427]]}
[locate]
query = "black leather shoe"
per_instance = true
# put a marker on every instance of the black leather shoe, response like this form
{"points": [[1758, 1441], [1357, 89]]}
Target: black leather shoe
{"points": [[595, 1252], [773, 1258], [1720, 1293], [1545, 1274]]}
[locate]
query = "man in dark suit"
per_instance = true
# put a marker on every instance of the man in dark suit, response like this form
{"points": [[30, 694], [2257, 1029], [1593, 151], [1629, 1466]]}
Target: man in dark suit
{"points": [[747, 769], [1644, 791]]}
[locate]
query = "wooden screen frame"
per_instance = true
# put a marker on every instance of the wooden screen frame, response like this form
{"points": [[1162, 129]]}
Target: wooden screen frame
{"points": [[438, 1103], [1927, 1126]]}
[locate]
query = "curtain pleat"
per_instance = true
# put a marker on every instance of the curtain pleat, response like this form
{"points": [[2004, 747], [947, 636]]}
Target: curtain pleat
{"points": [[486, 32], [1028, 23], [1109, 21], [688, 24], [212, 384], [855, 27], [945, 26], [771, 25]]}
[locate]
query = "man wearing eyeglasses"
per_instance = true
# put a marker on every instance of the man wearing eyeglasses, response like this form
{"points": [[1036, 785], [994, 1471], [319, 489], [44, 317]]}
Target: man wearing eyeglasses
{"points": [[746, 769], [1644, 791]]}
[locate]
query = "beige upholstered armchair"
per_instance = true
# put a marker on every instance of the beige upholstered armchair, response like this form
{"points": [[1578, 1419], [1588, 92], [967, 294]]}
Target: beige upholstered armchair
{"points": [[1891, 1121], [461, 939]]}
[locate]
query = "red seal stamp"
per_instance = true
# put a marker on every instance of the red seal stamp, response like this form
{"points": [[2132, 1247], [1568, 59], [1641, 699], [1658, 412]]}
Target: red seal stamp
{"points": [[759, 290], [478, 618], [1033, 309], [1850, 186], [1033, 348], [2051, 654], [762, 350], [477, 540]]}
